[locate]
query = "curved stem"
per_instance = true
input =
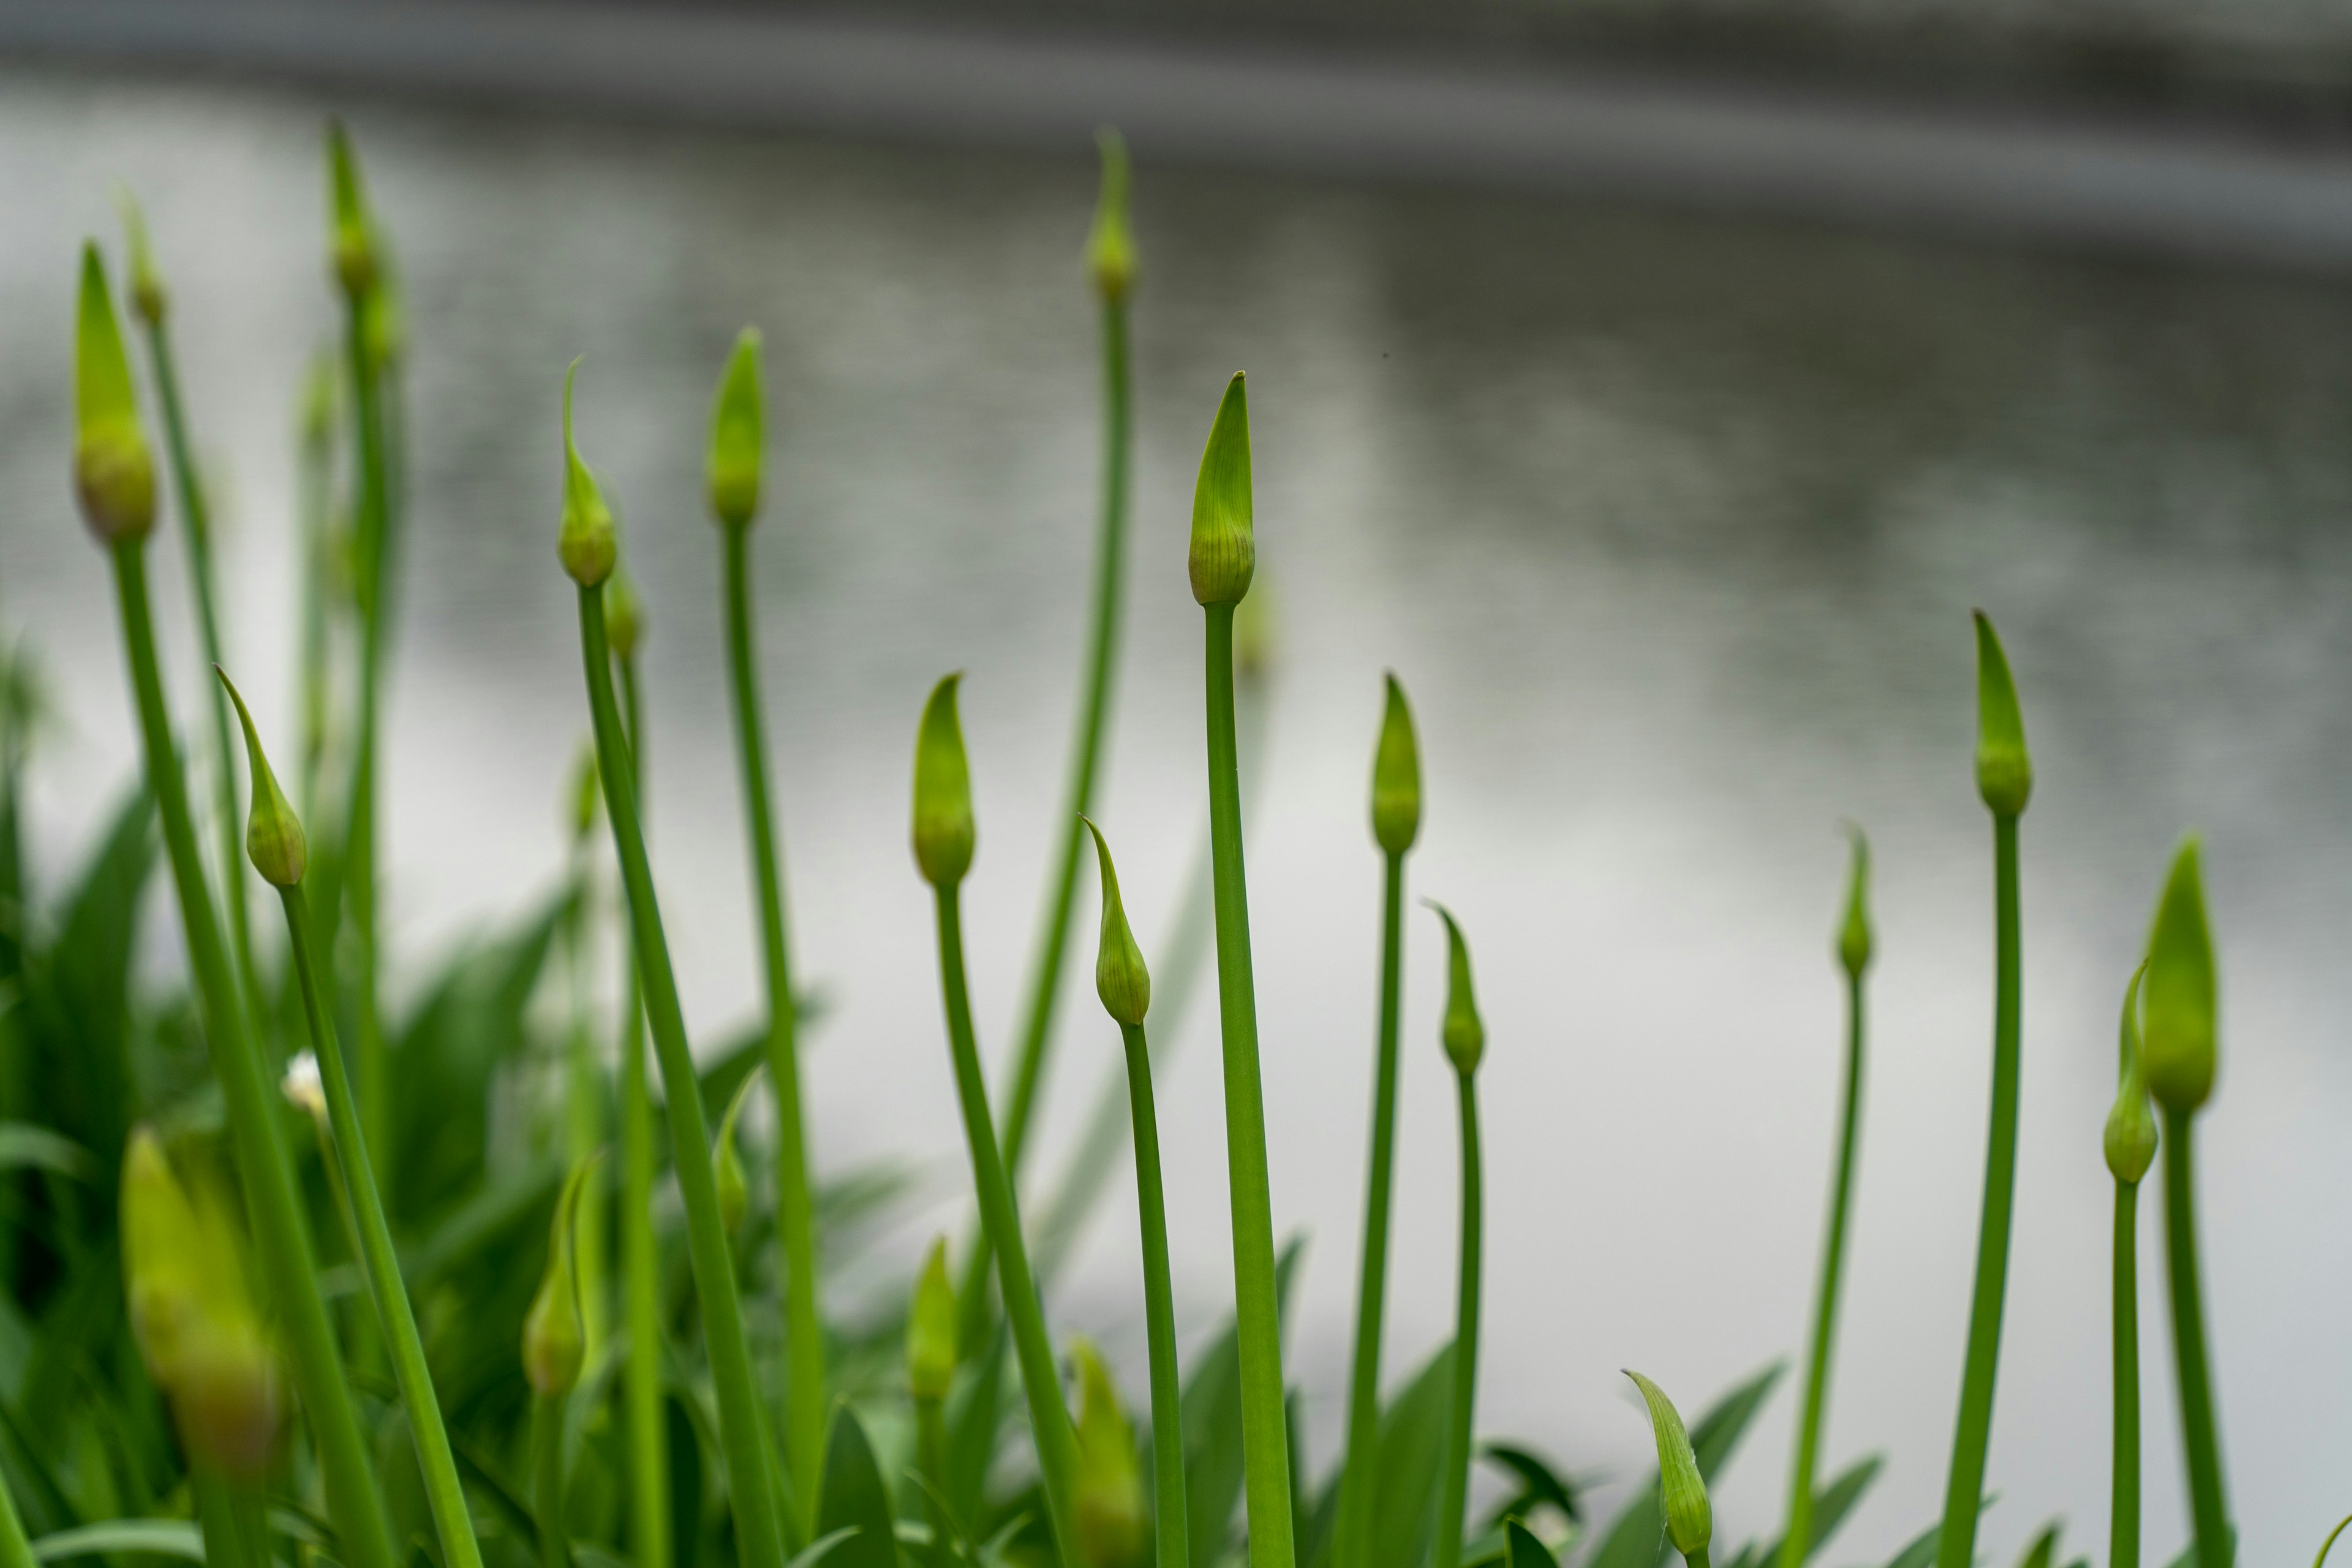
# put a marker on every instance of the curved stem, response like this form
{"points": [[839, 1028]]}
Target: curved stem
{"points": [[758, 1526], [1955, 1548], [1355, 1526], [1450, 1521], [547, 1479], [2123, 1510], [1797, 1541], [2201, 1444], [1265, 1437], [641, 1373], [2318, 1561], [1168, 1509]]}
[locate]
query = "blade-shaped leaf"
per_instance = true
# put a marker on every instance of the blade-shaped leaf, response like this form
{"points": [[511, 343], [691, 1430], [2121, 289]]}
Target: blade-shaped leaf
{"points": [[852, 1498], [161, 1537], [1411, 1442]]}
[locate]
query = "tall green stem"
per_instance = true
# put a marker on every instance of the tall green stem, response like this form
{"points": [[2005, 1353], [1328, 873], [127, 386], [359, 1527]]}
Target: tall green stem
{"points": [[372, 527], [641, 1375], [1168, 1505], [1049, 1418], [1450, 1521], [805, 1411], [1955, 1548], [1265, 1439], [2200, 1445], [547, 1479], [2123, 1516], [276, 1210], [1356, 1487], [1797, 1541], [226, 1544], [758, 1527]]}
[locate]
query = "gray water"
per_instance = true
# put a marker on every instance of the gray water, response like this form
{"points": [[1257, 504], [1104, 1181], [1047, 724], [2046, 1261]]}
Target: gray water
{"points": [[1670, 525]]}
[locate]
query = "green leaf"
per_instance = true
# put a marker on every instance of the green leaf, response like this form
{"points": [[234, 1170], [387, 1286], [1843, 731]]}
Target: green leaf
{"points": [[159, 1537], [1833, 1500], [1522, 1549], [24, 1146], [1637, 1537], [1406, 1470], [2044, 1552], [852, 1497], [1538, 1483]]}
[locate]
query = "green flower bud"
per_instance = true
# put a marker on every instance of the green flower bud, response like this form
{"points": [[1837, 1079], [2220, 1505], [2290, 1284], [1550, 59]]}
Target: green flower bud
{"points": [[1224, 546], [273, 834], [737, 430], [944, 833], [625, 615], [589, 545], [1120, 978], [229, 1400], [587, 793], [1854, 931], [113, 472], [1690, 1521], [1396, 777], [1107, 1493], [554, 1339], [384, 316], [1110, 248], [2130, 1141], [734, 1192], [354, 234], [2180, 1036], [1465, 1036], [148, 295], [2004, 771], [931, 1328], [162, 1273]]}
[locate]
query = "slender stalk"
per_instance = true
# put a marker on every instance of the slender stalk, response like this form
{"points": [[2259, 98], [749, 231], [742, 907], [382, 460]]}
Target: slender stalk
{"points": [[2123, 1514], [1450, 1522], [2318, 1561], [1049, 1418], [1168, 1505], [1955, 1548], [1356, 1485], [2200, 1445], [641, 1374], [226, 1544], [758, 1528], [443, 1493], [547, 1479], [15, 1551], [804, 1397], [313, 496], [932, 1463], [282, 1238], [1265, 1441], [373, 527], [1797, 1541]]}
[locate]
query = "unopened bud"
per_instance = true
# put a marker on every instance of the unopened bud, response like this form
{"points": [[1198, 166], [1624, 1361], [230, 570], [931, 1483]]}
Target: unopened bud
{"points": [[228, 1399], [931, 1328], [162, 1274], [589, 545], [148, 295], [1464, 1033], [1854, 931], [1121, 979], [734, 1192], [736, 432], [554, 1339], [352, 237], [114, 473], [625, 615], [384, 315], [1396, 776], [2004, 771], [1110, 248], [1107, 1494], [273, 834], [1224, 552], [944, 832], [1690, 1521], [303, 1088], [2130, 1141], [2180, 1036]]}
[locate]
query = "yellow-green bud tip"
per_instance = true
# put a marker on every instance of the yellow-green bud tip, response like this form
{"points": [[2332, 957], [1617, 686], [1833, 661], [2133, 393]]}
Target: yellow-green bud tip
{"points": [[2004, 771], [2130, 1140], [114, 473], [554, 1340], [736, 432], [1121, 977], [931, 1328], [734, 1192], [1110, 248], [1107, 1495], [353, 239], [1464, 1033], [1853, 941], [625, 615], [2180, 1037], [273, 834], [1225, 542], [944, 833], [148, 295], [1690, 1520], [589, 545], [1396, 777]]}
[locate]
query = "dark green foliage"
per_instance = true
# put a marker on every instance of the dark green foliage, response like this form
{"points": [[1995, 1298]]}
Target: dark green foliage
{"points": [[854, 1499]]}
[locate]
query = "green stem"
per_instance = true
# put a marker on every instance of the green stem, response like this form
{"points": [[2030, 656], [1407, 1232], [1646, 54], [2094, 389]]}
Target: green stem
{"points": [[1049, 1418], [2123, 1514], [1955, 1548], [15, 1551], [585, 1111], [1266, 1440], [2200, 1445], [805, 1405], [1450, 1520], [932, 1463], [1697, 1559], [2318, 1561], [1356, 1485], [758, 1526], [1168, 1505], [313, 489], [373, 526], [225, 1544], [649, 1528], [1797, 1541], [547, 1479], [442, 1491], [275, 1207]]}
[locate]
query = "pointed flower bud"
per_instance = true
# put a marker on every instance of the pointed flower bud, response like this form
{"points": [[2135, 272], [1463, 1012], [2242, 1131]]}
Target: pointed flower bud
{"points": [[589, 545], [1465, 1036], [1107, 1494], [1690, 1520], [113, 472], [944, 833], [554, 1340], [1110, 248], [734, 1192], [148, 296], [737, 430], [625, 615], [931, 1328], [1120, 978], [587, 793], [2130, 1141], [1224, 544], [1396, 777], [353, 238], [1854, 931], [273, 834], [162, 1274], [2004, 771], [2179, 1041], [383, 314]]}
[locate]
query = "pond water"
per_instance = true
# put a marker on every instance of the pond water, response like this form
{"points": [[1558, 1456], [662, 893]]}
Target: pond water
{"points": [[1670, 526]]}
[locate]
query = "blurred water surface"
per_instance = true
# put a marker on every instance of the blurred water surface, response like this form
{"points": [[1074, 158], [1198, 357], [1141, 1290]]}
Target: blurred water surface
{"points": [[1670, 525]]}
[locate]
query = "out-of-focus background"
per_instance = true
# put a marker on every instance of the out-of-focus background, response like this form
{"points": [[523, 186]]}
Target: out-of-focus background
{"points": [[1654, 386]]}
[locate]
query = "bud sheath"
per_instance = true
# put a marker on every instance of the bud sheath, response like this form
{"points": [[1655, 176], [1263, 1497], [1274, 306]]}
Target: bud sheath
{"points": [[1223, 554], [1396, 776], [2180, 1042], [114, 473], [944, 834]]}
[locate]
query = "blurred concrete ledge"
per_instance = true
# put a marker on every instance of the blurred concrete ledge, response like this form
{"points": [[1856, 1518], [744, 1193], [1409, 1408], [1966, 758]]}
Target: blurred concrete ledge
{"points": [[2186, 189]]}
